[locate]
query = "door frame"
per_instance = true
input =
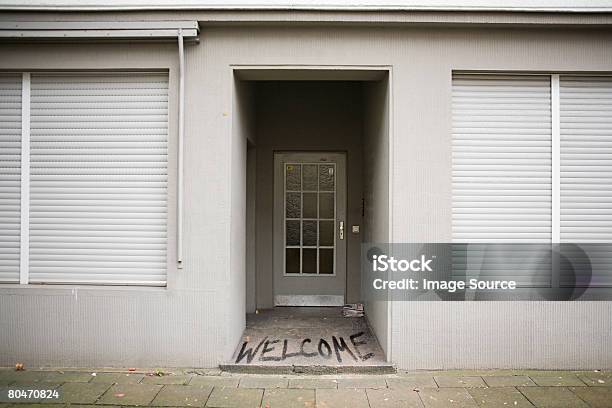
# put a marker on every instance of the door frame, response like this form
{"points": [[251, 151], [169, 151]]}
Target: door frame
{"points": [[278, 234]]}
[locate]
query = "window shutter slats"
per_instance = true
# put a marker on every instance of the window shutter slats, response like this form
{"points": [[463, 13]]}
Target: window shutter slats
{"points": [[502, 178], [586, 171], [10, 176], [586, 159], [501, 158], [98, 205]]}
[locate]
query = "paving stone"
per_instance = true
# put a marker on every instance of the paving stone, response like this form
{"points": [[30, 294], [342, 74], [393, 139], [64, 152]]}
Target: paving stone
{"points": [[346, 398], [509, 381], [25, 387], [595, 397], [446, 397], [203, 371], [87, 406], [231, 397], [464, 373], [596, 379], [364, 382], [552, 397], [117, 378], [566, 380], [182, 395], [166, 379], [263, 382], [7, 373], [69, 376], [20, 376], [64, 376], [312, 383], [461, 382], [394, 398], [130, 394], [29, 377], [541, 373], [35, 406], [499, 397], [82, 393], [8, 376], [288, 398], [214, 381], [412, 382]]}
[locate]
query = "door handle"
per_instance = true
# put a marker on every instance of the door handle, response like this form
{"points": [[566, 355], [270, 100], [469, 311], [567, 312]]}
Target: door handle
{"points": [[341, 229]]}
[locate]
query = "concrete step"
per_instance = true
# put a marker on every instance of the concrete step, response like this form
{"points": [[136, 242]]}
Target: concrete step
{"points": [[309, 341], [380, 368]]}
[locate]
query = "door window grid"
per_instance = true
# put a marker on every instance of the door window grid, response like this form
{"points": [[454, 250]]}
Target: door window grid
{"points": [[295, 216]]}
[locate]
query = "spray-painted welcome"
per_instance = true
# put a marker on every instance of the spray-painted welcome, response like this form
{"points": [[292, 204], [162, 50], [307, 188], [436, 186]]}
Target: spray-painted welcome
{"points": [[278, 349]]}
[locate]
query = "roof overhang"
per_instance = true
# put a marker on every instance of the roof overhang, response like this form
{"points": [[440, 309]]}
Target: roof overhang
{"points": [[554, 6], [111, 30]]}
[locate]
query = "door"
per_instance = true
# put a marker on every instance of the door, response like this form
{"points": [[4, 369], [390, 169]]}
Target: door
{"points": [[309, 229]]}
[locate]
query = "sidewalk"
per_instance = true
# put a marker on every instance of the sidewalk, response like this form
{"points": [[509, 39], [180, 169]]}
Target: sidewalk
{"points": [[212, 388]]}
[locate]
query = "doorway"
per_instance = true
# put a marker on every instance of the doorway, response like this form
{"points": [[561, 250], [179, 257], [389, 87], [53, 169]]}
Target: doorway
{"points": [[309, 228], [316, 126], [317, 170]]}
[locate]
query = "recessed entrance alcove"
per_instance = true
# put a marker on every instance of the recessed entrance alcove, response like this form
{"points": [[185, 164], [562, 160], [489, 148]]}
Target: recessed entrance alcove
{"points": [[314, 147]]}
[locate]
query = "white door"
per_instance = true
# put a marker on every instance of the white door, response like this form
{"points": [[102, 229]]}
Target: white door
{"points": [[309, 229]]}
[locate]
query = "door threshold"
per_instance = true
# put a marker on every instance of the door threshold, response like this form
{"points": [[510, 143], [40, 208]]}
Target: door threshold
{"points": [[309, 300]]}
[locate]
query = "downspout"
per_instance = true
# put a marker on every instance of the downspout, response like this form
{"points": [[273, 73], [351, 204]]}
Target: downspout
{"points": [[181, 132]]}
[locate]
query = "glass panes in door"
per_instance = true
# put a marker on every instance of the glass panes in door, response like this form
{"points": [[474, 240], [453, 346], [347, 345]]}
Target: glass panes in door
{"points": [[310, 218]]}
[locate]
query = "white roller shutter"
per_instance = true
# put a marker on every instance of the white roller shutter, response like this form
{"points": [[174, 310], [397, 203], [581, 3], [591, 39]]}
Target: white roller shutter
{"points": [[586, 169], [10, 176], [502, 175], [98, 210], [586, 159]]}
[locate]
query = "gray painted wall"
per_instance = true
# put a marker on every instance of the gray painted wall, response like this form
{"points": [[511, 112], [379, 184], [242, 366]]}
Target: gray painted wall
{"points": [[196, 320], [243, 131], [251, 252], [472, 335], [376, 195]]}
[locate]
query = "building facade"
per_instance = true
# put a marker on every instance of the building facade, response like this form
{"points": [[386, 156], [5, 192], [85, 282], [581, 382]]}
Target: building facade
{"points": [[157, 163]]}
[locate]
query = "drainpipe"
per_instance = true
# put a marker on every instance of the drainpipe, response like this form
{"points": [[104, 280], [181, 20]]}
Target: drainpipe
{"points": [[181, 132]]}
